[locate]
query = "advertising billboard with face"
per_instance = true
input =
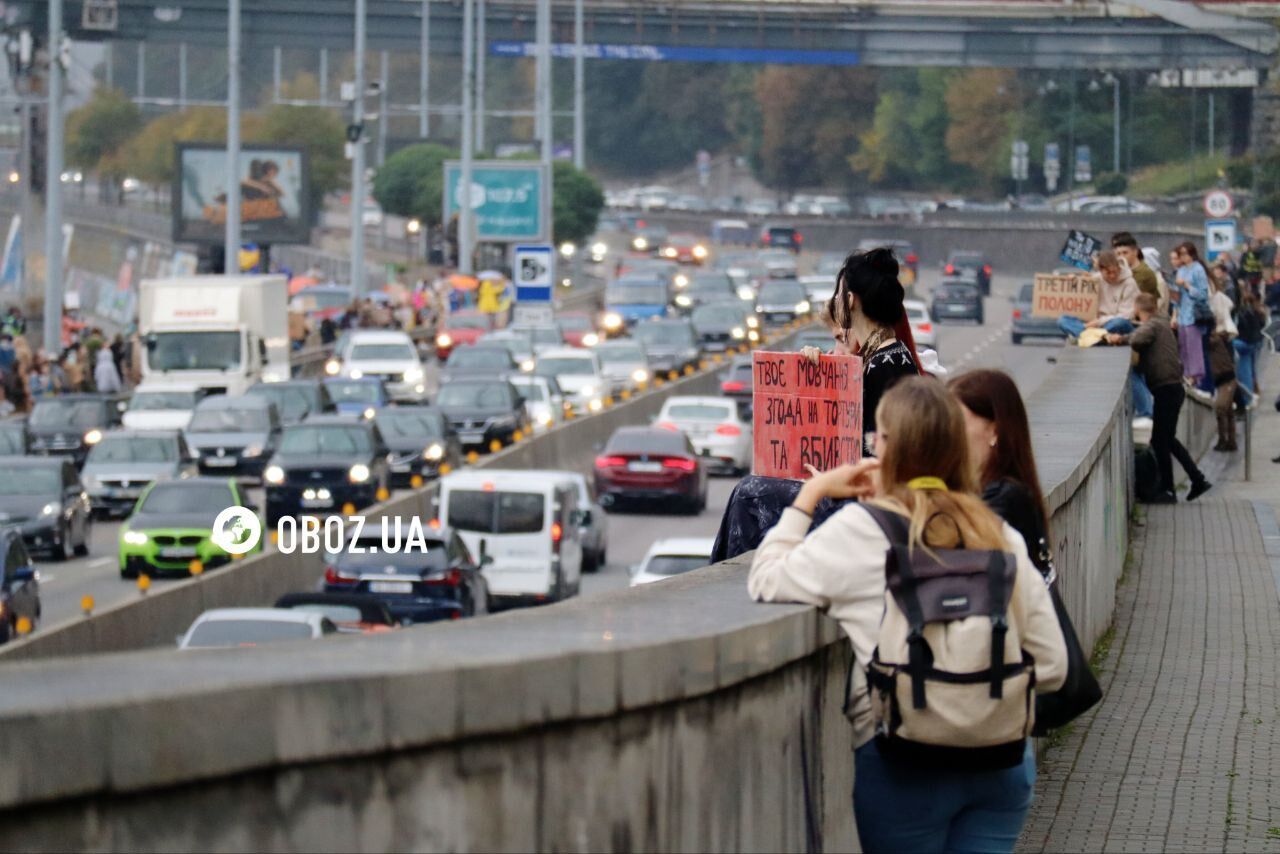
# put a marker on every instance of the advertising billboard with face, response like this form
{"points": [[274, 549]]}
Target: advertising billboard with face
{"points": [[274, 205]]}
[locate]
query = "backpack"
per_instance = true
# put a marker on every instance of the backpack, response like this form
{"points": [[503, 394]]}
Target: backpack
{"points": [[950, 686]]}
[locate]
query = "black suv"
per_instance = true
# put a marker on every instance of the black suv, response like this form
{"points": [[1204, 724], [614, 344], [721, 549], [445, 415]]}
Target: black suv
{"points": [[967, 264], [323, 464], [483, 410], [70, 424]]}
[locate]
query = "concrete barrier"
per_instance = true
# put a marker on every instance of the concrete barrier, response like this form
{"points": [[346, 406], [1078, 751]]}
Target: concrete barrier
{"points": [[676, 716]]}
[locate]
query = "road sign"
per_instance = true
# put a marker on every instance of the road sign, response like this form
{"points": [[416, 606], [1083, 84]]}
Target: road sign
{"points": [[1084, 165], [1218, 203], [508, 197], [1052, 165], [1219, 237], [533, 268]]}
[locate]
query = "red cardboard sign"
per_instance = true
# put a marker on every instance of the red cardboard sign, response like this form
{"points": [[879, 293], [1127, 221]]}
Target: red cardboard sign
{"points": [[805, 413]]}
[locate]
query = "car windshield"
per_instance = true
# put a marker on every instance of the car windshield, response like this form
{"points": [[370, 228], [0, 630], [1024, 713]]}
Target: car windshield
{"points": [[620, 354], [292, 402], [246, 632], [559, 366], [647, 442], [481, 357], [336, 613], [716, 315], [966, 259], [496, 512], [1026, 293], [466, 321], [408, 425], [325, 440], [664, 333], [35, 480], [229, 420], [959, 292], [636, 293], [699, 412], [541, 334], [376, 561], [675, 564], [12, 441], [193, 351], [383, 352], [154, 401], [135, 449], [71, 414], [475, 395], [915, 312], [711, 283], [353, 392], [783, 292], [188, 497], [530, 390]]}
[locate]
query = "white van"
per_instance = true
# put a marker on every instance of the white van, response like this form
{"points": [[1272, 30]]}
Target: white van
{"points": [[529, 523]]}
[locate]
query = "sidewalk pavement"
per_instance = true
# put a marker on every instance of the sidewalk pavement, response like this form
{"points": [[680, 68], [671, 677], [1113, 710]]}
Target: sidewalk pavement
{"points": [[1183, 753]]}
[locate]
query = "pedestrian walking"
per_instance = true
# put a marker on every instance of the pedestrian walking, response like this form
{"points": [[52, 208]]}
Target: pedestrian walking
{"points": [[1222, 365], [1190, 291], [39, 383], [1159, 363], [1251, 320], [105, 375], [328, 331], [921, 487]]}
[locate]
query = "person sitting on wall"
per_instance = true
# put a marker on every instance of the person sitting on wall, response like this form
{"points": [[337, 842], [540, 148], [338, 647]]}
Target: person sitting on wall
{"points": [[1115, 299]]}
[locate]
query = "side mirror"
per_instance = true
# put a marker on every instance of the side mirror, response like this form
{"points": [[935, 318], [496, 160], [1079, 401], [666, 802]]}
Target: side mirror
{"points": [[584, 518]]}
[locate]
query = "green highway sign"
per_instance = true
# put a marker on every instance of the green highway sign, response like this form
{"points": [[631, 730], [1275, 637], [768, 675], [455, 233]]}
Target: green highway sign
{"points": [[509, 198]]}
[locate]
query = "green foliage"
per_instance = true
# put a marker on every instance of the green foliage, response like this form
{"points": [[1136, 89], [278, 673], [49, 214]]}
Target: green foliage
{"points": [[323, 134], [1110, 183], [576, 202], [98, 131], [1178, 176], [1240, 171], [411, 182]]}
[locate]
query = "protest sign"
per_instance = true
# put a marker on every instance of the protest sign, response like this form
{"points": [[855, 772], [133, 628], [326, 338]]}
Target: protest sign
{"points": [[1054, 295], [806, 412], [1264, 228], [1079, 249]]}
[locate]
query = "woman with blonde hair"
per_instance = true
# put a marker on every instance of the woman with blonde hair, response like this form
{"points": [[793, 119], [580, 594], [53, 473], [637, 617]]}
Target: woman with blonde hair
{"points": [[923, 475]]}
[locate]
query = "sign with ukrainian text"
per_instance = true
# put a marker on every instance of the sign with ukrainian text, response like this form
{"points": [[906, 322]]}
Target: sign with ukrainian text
{"points": [[805, 412], [508, 197], [1079, 248], [1054, 295]]}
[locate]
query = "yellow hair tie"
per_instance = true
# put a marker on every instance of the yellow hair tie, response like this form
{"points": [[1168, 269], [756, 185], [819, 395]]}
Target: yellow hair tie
{"points": [[927, 483]]}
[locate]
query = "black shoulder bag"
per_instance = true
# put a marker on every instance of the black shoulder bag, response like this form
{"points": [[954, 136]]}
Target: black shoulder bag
{"points": [[1081, 691]]}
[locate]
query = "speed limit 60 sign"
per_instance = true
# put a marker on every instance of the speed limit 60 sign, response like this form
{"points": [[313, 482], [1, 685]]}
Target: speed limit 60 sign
{"points": [[1218, 203]]}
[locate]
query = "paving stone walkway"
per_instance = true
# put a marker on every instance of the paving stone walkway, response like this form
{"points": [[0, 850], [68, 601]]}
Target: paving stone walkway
{"points": [[1183, 754]]}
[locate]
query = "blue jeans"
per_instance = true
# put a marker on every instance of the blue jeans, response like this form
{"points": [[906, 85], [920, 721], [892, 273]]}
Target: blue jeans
{"points": [[1246, 364], [902, 809], [1144, 405], [1073, 325]]}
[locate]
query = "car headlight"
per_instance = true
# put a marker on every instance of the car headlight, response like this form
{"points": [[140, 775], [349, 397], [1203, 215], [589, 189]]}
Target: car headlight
{"points": [[684, 300], [356, 374], [434, 451], [135, 538], [359, 473], [93, 437], [332, 367], [590, 339], [545, 419], [640, 243], [443, 340], [527, 366], [595, 405], [669, 252], [53, 508], [599, 249], [753, 322], [753, 335], [568, 249], [274, 475], [413, 375], [738, 332], [612, 320], [369, 413], [252, 451], [640, 375], [802, 307], [699, 251], [682, 280], [746, 292], [587, 391]]}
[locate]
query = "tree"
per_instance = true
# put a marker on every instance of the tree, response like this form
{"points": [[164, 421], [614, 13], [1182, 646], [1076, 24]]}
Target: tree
{"points": [[576, 202], [980, 103], [149, 155], [411, 182], [321, 132], [98, 132]]}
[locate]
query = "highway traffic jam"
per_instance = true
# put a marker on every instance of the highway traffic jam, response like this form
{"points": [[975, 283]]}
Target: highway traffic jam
{"points": [[222, 419]]}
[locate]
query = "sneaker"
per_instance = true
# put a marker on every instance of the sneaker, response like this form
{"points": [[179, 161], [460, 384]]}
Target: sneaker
{"points": [[1198, 488], [1201, 395], [1162, 498]]}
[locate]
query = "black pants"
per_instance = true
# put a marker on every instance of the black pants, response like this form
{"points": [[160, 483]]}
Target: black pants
{"points": [[1164, 436]]}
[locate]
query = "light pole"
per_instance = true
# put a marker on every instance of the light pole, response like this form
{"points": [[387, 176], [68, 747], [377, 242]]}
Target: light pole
{"points": [[53, 188], [231, 254], [359, 282]]}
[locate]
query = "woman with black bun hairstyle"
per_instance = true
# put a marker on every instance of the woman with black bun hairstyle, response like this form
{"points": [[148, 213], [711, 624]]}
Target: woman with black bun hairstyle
{"points": [[868, 320]]}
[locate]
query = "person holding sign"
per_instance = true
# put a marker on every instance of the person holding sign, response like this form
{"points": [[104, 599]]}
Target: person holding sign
{"points": [[1115, 299]]}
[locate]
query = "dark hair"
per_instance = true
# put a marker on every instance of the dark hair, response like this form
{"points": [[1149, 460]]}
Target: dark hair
{"points": [[1124, 238], [1189, 249], [872, 277], [1146, 302], [994, 396]]}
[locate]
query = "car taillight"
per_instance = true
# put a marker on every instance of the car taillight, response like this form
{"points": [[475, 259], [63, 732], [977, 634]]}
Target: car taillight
{"points": [[950, 269], [729, 430], [667, 425], [557, 533], [1017, 314], [986, 268], [913, 258], [925, 327], [680, 463], [452, 578], [332, 575], [799, 238], [641, 224], [732, 385], [610, 462], [767, 238]]}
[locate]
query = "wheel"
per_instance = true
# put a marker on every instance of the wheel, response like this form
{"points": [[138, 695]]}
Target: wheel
{"points": [[981, 320], [82, 550], [1017, 339], [128, 574]]}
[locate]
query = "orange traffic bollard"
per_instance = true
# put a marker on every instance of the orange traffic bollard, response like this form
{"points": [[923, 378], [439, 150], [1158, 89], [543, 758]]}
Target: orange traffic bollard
{"points": [[382, 494], [196, 567], [144, 583], [86, 605]]}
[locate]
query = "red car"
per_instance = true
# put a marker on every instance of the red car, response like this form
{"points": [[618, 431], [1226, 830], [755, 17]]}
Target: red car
{"points": [[684, 248], [461, 327], [650, 463], [578, 329]]}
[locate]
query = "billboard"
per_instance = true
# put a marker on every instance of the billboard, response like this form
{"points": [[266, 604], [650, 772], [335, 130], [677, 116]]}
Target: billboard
{"points": [[274, 204], [509, 199]]}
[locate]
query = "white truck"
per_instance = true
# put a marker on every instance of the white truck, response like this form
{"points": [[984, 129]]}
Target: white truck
{"points": [[217, 333]]}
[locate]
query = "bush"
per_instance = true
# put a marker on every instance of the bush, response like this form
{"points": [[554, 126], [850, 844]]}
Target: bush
{"points": [[1110, 184], [1240, 172]]}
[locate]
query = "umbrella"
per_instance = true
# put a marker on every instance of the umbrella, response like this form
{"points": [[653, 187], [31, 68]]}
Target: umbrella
{"points": [[297, 283], [460, 282]]}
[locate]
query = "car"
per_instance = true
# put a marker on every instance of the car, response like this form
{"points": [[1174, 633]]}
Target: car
{"points": [[957, 300], [714, 427], [125, 461], [161, 407], [737, 381], [578, 329], [351, 613], [707, 286], [483, 411], [650, 464], [684, 249], [386, 354], [489, 358], [321, 302], [221, 628], [371, 214], [430, 575], [760, 207], [818, 287], [922, 328], [731, 232], [671, 344], [782, 301], [294, 399], [234, 435], [579, 375], [44, 498], [648, 238], [421, 441], [722, 325], [19, 585], [775, 236], [660, 268], [775, 264], [1026, 324], [964, 263], [544, 337], [326, 464], [70, 424], [544, 401], [671, 557], [525, 526], [363, 396], [461, 328], [633, 298], [170, 530], [593, 526], [15, 441], [624, 363]]}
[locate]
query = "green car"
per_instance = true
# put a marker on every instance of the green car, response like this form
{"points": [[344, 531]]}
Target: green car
{"points": [[172, 526]]}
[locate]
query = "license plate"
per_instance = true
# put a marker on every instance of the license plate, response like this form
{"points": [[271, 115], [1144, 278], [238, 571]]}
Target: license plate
{"points": [[957, 309], [400, 468], [644, 467], [220, 462], [471, 438], [715, 346], [178, 551], [312, 503], [390, 586]]}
